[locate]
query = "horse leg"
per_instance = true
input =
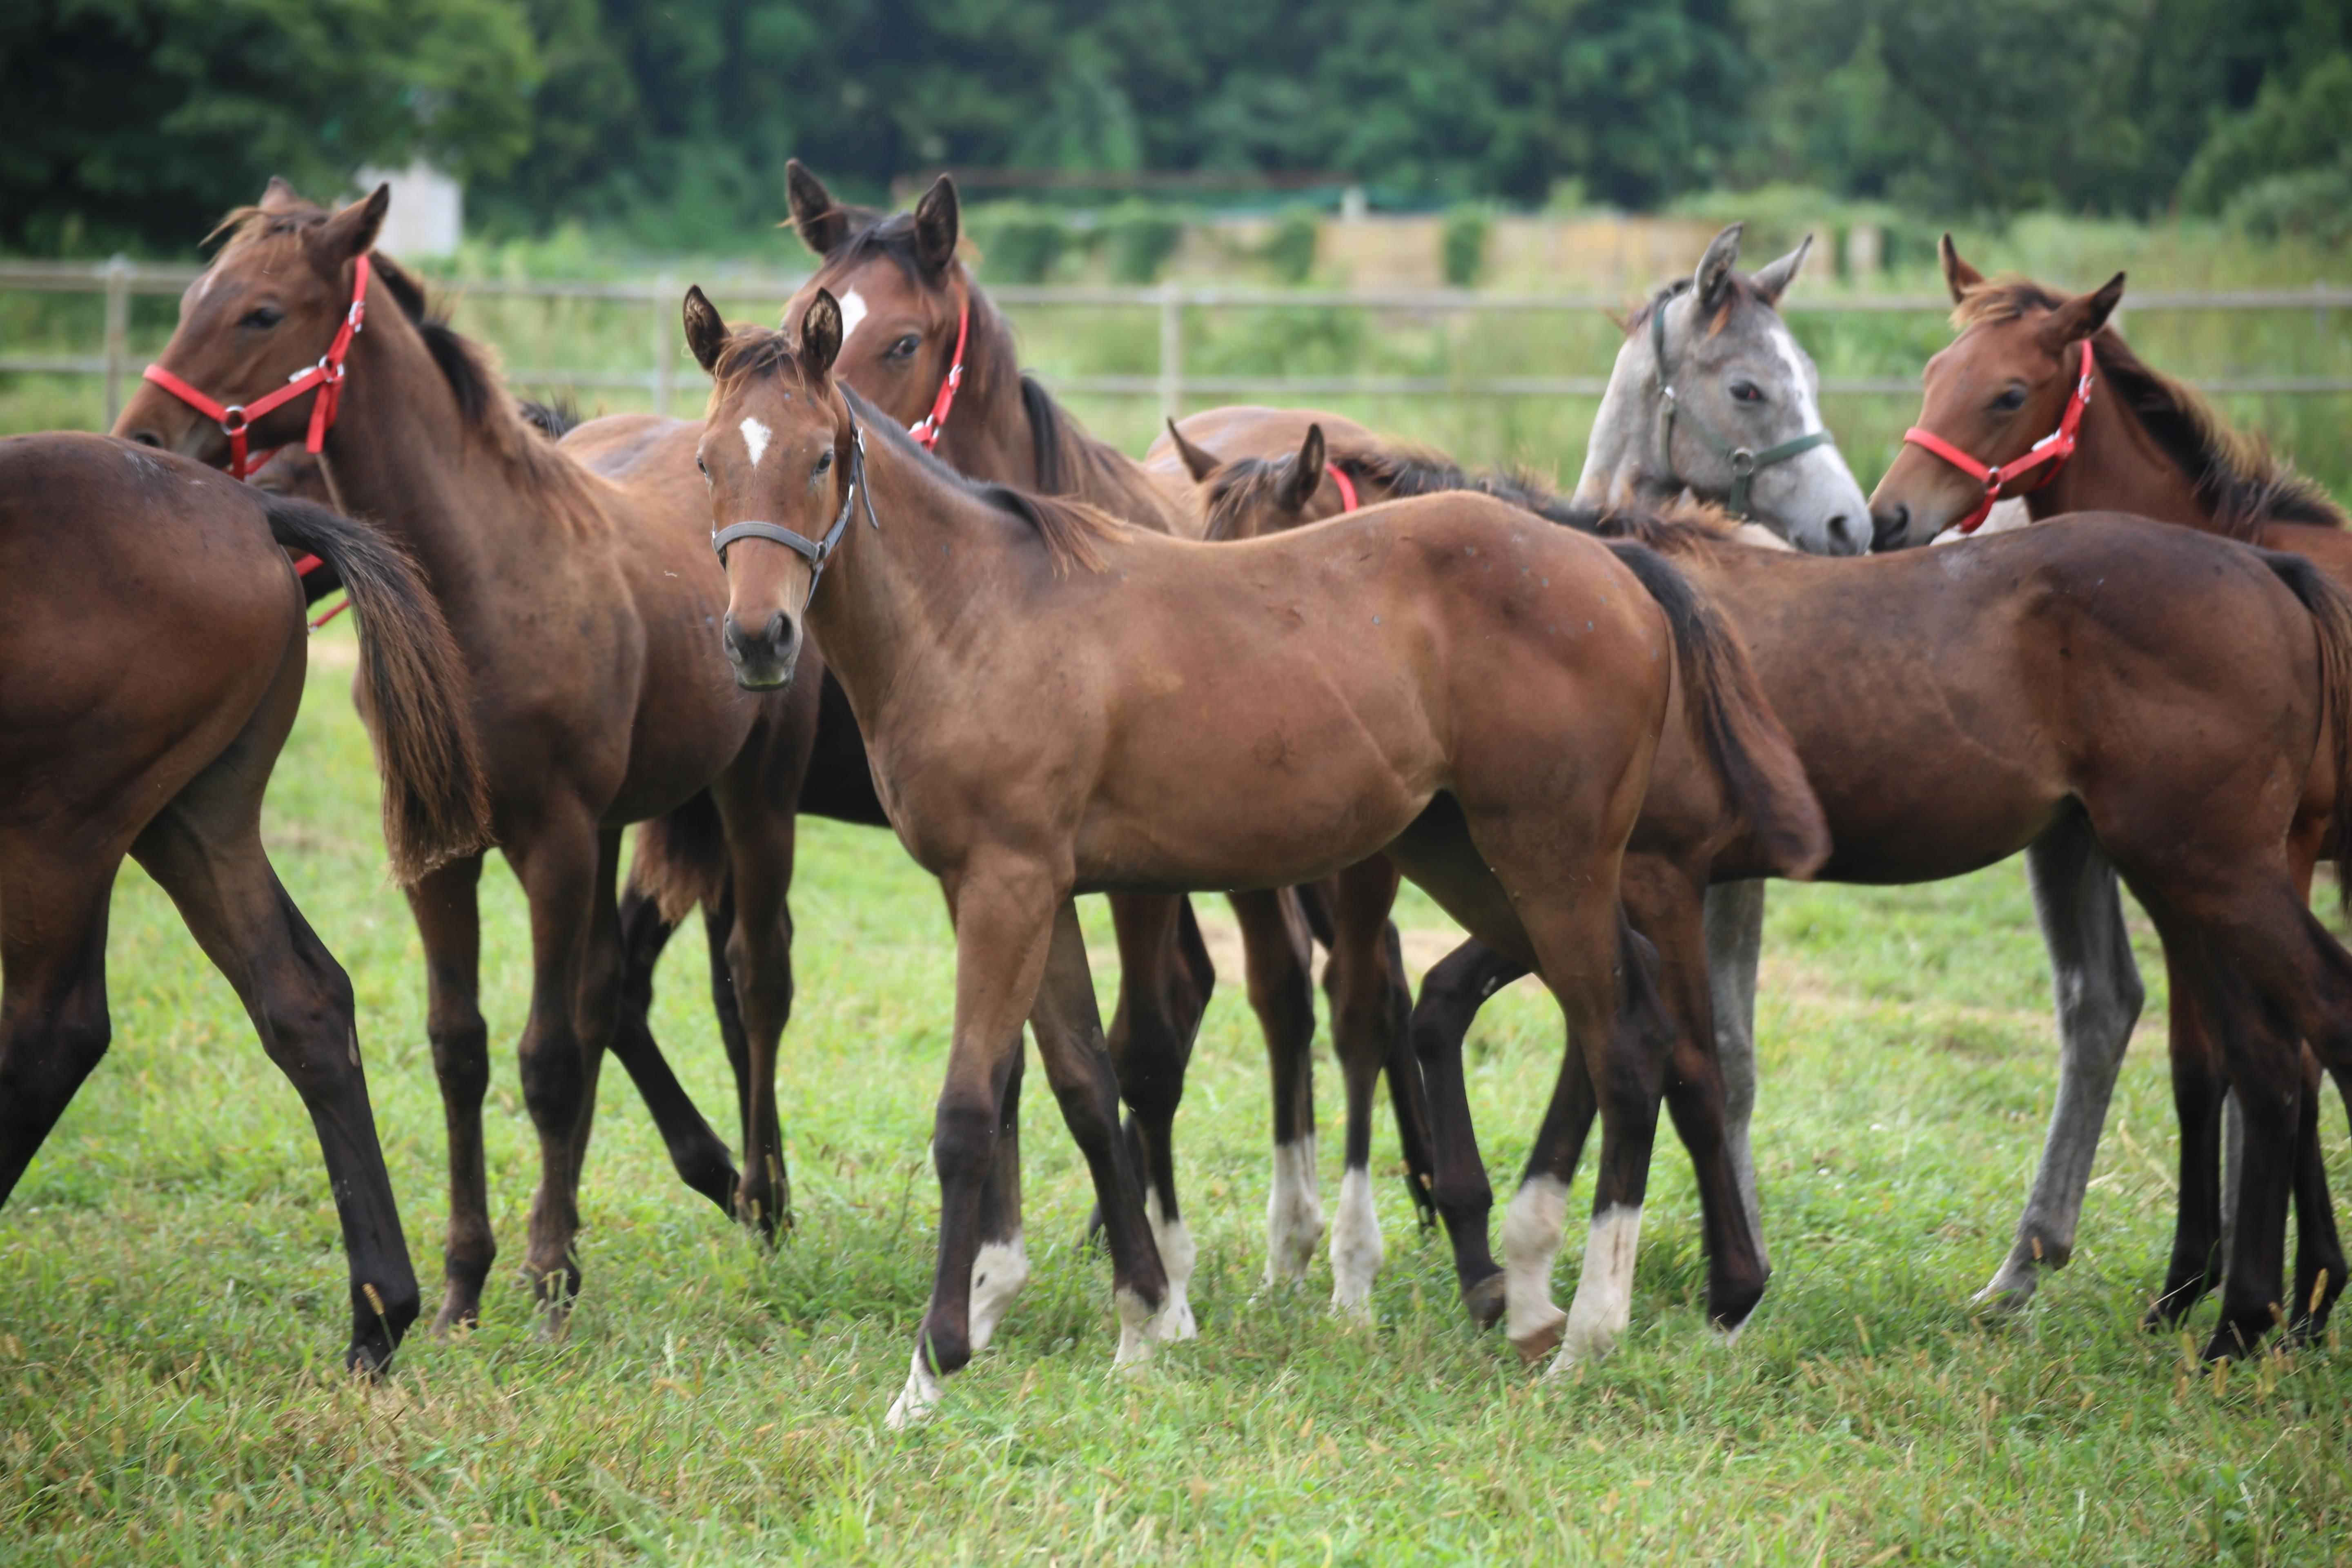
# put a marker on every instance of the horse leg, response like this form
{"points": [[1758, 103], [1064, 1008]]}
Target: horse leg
{"points": [[718, 926], [1667, 905], [1280, 955], [1001, 1265], [445, 905], [1077, 1058], [1450, 994], [696, 1151], [1004, 916], [1362, 1030], [558, 858], [204, 850], [760, 841], [2319, 1261], [1734, 921], [2198, 1087], [54, 894], [2080, 907], [1162, 994], [1408, 1096]]}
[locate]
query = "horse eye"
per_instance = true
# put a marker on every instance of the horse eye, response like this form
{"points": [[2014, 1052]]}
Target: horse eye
{"points": [[263, 316], [1746, 392], [2010, 402], [906, 346], [825, 461]]}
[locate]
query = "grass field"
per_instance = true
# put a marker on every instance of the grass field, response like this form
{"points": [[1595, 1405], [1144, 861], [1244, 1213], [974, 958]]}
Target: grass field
{"points": [[171, 1293]]}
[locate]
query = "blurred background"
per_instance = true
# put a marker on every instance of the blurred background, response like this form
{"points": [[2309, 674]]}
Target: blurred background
{"points": [[1417, 214]]}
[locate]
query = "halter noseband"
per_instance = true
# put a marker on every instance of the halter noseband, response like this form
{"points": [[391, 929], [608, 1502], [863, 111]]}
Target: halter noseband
{"points": [[817, 552], [926, 430], [235, 419], [1744, 462], [2053, 449]]}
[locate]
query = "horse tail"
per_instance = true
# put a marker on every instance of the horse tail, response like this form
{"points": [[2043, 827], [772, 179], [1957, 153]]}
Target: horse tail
{"points": [[2330, 608], [681, 858], [414, 689], [1751, 753]]}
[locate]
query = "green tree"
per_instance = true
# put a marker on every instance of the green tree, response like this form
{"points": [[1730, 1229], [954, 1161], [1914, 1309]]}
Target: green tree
{"points": [[137, 123]]}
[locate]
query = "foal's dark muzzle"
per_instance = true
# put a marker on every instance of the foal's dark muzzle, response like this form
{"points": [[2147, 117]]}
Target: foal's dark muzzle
{"points": [[1891, 529], [763, 656]]}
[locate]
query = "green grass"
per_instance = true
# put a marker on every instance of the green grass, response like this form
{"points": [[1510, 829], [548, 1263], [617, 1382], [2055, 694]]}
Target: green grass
{"points": [[171, 1293]]}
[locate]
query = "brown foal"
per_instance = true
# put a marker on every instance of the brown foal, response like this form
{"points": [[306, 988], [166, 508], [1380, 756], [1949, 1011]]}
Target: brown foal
{"points": [[1478, 696], [583, 593], [145, 721]]}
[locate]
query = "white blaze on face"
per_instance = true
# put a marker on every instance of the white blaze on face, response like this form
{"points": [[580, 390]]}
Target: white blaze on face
{"points": [[756, 438], [853, 310], [1801, 384]]}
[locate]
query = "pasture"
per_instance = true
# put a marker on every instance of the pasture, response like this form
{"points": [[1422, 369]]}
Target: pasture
{"points": [[169, 1386]]}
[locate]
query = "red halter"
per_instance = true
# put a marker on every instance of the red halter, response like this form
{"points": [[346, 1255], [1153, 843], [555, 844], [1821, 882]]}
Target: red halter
{"points": [[1347, 486], [926, 430], [2053, 449], [326, 376]]}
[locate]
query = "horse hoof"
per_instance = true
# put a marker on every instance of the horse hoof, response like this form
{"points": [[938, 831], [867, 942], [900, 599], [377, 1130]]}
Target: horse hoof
{"points": [[2008, 1293], [1484, 1301], [1542, 1341]]}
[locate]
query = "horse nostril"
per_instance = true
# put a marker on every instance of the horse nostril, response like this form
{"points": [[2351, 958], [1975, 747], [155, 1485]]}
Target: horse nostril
{"points": [[1888, 532], [1841, 530]]}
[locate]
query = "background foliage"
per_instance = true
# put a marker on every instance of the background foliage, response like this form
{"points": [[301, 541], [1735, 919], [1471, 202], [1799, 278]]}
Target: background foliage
{"points": [[669, 120]]}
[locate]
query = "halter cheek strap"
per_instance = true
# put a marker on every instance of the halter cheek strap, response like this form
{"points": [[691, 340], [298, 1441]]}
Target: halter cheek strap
{"points": [[326, 376], [1744, 462], [1344, 485], [817, 552], [2053, 449], [926, 430]]}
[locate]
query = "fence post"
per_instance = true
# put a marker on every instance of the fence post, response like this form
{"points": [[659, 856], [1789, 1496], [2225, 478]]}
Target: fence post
{"points": [[117, 273], [665, 289], [1171, 351]]}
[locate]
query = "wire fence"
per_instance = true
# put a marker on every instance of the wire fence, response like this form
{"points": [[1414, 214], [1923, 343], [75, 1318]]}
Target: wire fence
{"points": [[1170, 382]]}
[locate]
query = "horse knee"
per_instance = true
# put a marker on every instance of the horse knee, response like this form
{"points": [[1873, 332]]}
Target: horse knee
{"points": [[963, 1134], [461, 1054]]}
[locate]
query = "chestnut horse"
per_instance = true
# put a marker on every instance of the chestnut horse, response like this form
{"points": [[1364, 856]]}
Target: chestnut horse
{"points": [[2142, 443], [581, 593], [1478, 698], [2110, 692], [145, 721], [924, 343]]}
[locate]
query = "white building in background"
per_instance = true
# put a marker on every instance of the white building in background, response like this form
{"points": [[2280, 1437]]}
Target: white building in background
{"points": [[428, 217]]}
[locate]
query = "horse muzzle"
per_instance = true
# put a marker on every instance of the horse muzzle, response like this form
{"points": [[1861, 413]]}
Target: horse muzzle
{"points": [[763, 656]]}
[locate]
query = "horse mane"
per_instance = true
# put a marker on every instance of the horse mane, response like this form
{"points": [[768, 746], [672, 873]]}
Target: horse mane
{"points": [[2233, 471], [1737, 290], [514, 431]]}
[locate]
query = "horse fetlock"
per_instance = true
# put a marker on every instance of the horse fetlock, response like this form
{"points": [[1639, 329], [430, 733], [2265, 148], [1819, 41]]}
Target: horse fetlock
{"points": [[1293, 1213], [1137, 1328], [997, 1273], [1604, 1293], [1356, 1249], [1531, 1230], [1483, 1299], [1173, 1239], [918, 1401]]}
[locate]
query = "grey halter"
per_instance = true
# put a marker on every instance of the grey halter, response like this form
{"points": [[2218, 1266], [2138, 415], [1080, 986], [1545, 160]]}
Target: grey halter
{"points": [[818, 552], [1744, 462]]}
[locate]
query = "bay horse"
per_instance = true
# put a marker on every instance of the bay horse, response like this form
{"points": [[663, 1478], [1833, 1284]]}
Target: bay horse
{"points": [[145, 721], [1476, 696], [578, 581], [2107, 693], [2137, 441], [923, 341]]}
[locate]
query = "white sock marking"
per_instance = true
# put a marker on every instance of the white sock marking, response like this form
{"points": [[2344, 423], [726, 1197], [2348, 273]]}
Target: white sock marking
{"points": [[1293, 1213], [1174, 1239], [917, 1400], [1135, 1334], [1604, 1295], [1531, 1231], [1355, 1244], [853, 310], [756, 437], [997, 1275]]}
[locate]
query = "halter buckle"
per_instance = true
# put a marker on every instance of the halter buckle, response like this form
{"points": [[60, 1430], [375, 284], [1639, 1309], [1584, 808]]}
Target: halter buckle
{"points": [[235, 411], [1743, 463]]}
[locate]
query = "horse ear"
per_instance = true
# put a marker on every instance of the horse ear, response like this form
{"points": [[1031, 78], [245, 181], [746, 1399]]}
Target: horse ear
{"points": [[1959, 276], [1307, 476], [1722, 252], [277, 197], [937, 225], [822, 223], [820, 334], [706, 330], [1773, 279], [2084, 315], [1200, 464], [353, 231]]}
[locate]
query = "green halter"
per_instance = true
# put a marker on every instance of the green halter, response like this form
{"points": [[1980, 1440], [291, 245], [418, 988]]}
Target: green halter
{"points": [[1744, 462]]}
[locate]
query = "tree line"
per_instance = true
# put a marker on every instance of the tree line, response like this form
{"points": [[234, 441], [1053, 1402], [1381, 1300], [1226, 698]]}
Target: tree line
{"points": [[136, 122]]}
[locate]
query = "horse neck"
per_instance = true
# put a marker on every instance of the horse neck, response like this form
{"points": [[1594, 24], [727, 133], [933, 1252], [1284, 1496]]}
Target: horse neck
{"points": [[1620, 458], [404, 454], [2118, 466]]}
